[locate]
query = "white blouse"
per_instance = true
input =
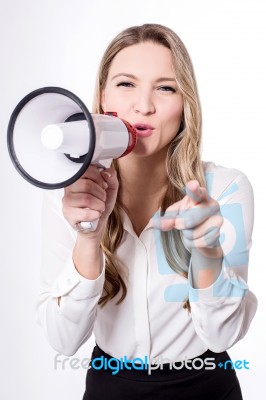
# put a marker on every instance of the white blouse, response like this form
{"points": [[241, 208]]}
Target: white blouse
{"points": [[151, 321]]}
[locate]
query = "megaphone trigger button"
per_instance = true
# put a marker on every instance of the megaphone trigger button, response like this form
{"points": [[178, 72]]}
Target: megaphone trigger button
{"points": [[85, 227]]}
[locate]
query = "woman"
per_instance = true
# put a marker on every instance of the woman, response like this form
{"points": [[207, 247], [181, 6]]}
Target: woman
{"points": [[164, 274]]}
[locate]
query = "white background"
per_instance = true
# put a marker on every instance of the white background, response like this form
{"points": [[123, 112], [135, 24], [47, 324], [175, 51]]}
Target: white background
{"points": [[59, 43]]}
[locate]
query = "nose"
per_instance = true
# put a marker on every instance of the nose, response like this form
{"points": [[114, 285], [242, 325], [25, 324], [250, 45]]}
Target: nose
{"points": [[144, 103]]}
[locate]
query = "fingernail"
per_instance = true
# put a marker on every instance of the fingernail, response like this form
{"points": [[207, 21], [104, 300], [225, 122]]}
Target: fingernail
{"points": [[107, 174], [105, 186]]}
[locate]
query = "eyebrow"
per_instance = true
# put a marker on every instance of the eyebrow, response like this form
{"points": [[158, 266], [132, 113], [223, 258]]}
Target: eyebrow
{"points": [[162, 79]]}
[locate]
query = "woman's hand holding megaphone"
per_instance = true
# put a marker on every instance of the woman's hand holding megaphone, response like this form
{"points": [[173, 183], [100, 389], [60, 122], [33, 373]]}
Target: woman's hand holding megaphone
{"points": [[91, 198]]}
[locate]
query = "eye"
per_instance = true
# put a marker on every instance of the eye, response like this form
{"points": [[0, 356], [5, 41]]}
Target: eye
{"points": [[167, 89], [125, 84]]}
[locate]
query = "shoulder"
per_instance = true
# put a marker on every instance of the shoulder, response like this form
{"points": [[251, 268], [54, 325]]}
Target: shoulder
{"points": [[221, 181], [220, 171]]}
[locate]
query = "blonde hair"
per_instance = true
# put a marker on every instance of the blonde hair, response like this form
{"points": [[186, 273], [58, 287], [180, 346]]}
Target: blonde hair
{"points": [[183, 160]]}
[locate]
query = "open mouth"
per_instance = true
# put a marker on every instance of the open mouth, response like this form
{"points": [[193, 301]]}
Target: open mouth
{"points": [[143, 130]]}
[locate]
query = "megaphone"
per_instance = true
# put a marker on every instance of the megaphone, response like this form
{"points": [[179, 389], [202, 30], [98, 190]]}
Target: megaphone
{"points": [[53, 138]]}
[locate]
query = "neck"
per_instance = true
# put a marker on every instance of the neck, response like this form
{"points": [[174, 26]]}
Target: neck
{"points": [[143, 183], [142, 177]]}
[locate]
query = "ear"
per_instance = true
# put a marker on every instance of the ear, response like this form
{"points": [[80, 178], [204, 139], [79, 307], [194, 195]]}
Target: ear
{"points": [[103, 100]]}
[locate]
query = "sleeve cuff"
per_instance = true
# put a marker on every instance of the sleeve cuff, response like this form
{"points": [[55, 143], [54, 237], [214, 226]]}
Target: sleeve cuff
{"points": [[227, 285], [77, 286]]}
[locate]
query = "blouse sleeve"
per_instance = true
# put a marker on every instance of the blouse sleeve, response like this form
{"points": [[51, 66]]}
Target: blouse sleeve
{"points": [[69, 325], [222, 313]]}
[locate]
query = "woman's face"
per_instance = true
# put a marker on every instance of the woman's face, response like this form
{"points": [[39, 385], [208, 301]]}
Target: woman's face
{"points": [[141, 88]]}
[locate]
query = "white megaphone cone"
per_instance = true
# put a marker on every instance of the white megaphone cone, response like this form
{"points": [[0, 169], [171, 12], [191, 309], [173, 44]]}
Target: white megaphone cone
{"points": [[53, 138]]}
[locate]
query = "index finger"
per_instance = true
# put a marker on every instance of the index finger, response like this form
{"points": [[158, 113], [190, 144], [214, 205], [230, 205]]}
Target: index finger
{"points": [[93, 173], [196, 193]]}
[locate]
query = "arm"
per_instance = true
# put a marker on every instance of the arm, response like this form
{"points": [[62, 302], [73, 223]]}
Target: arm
{"points": [[69, 325], [223, 311], [217, 231], [73, 270]]}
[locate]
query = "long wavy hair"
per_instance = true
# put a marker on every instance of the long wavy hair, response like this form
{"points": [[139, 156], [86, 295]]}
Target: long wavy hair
{"points": [[183, 161]]}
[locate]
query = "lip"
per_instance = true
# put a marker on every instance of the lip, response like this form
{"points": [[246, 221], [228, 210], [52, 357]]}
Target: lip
{"points": [[143, 130]]}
